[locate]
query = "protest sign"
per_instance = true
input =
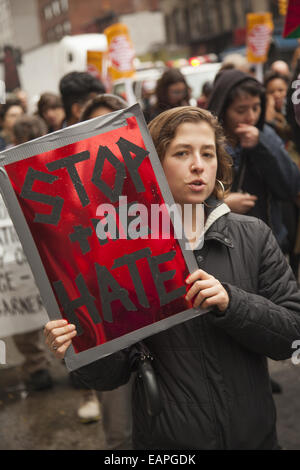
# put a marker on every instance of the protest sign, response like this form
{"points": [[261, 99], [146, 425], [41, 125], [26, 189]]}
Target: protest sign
{"points": [[85, 202], [94, 61], [121, 53], [292, 20], [259, 31], [21, 308]]}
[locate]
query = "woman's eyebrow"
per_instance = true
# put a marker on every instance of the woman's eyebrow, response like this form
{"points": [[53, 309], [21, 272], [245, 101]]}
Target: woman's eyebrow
{"points": [[183, 145], [209, 147]]}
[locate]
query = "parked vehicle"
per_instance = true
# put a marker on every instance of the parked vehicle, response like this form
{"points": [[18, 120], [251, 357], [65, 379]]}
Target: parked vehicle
{"points": [[42, 68], [142, 86]]}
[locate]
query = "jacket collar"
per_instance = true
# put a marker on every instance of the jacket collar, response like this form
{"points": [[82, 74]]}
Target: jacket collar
{"points": [[216, 223]]}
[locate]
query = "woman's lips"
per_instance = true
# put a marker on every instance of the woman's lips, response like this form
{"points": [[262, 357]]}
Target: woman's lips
{"points": [[196, 187]]}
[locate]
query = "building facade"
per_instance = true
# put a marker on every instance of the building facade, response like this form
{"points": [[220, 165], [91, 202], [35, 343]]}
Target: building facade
{"points": [[60, 17], [210, 25], [6, 25]]}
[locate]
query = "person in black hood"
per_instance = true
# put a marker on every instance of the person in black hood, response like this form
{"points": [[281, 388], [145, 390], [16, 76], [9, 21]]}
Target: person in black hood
{"points": [[264, 174]]}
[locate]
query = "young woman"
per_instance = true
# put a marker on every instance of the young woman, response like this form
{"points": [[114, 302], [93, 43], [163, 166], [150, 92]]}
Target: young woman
{"points": [[264, 174], [212, 370], [9, 113], [171, 91], [276, 86], [50, 108]]}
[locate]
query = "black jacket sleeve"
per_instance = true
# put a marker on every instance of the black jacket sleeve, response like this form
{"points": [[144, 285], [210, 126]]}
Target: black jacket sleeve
{"points": [[267, 322], [107, 373], [272, 160]]}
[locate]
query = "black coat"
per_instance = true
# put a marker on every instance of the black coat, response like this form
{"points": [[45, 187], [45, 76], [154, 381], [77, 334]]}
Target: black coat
{"points": [[212, 370], [265, 170], [268, 172]]}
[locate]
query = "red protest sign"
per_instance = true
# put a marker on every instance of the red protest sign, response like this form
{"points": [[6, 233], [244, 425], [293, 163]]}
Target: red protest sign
{"points": [[292, 21], [91, 209]]}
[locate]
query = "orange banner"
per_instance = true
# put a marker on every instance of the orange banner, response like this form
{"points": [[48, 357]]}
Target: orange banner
{"points": [[120, 52], [259, 31], [94, 61]]}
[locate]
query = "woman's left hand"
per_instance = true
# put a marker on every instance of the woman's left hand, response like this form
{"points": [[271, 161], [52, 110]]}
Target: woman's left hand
{"points": [[206, 291], [248, 135]]}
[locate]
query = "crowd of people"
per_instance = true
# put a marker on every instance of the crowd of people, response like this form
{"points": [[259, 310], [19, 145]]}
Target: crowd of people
{"points": [[238, 152]]}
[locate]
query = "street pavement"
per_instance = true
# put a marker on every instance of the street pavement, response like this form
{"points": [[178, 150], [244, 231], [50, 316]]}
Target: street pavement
{"points": [[47, 420]]}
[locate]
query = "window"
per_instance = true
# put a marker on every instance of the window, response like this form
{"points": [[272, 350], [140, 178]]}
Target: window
{"points": [[67, 27], [48, 12], [64, 5], [58, 30], [56, 8], [50, 35]]}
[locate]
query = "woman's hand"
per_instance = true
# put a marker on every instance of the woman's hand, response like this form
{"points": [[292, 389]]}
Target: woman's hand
{"points": [[270, 108], [206, 291], [240, 202], [248, 135], [59, 336]]}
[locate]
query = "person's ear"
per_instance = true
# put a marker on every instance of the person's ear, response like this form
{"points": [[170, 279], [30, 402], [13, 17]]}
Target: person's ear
{"points": [[76, 111]]}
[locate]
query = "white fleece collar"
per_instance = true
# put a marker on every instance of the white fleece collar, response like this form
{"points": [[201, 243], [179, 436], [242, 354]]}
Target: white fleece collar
{"points": [[216, 213], [220, 210]]}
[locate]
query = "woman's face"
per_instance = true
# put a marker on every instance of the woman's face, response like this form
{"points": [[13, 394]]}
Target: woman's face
{"points": [[244, 109], [278, 89], [54, 117], [190, 163], [100, 111], [176, 93], [13, 113]]}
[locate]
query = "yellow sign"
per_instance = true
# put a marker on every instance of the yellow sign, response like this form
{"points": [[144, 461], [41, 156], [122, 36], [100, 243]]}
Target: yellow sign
{"points": [[120, 52], [259, 31], [282, 7], [94, 61]]}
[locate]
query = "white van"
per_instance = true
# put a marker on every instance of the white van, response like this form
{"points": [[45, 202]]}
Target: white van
{"points": [[144, 82], [43, 67]]}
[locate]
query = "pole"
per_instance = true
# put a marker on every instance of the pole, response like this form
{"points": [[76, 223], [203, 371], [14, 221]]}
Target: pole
{"points": [[259, 72]]}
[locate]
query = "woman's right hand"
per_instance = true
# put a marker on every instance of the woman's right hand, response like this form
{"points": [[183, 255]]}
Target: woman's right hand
{"points": [[270, 108], [59, 334], [240, 202]]}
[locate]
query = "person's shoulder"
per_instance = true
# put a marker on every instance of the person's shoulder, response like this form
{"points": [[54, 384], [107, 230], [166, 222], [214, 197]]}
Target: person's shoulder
{"points": [[248, 233], [242, 219], [247, 223], [269, 132]]}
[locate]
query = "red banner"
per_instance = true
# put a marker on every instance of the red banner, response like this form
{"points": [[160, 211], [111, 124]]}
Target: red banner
{"points": [[292, 21], [108, 284]]}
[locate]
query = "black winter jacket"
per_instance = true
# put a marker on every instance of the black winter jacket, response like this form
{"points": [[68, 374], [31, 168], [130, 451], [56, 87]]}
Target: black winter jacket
{"points": [[268, 172], [265, 170], [212, 370]]}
